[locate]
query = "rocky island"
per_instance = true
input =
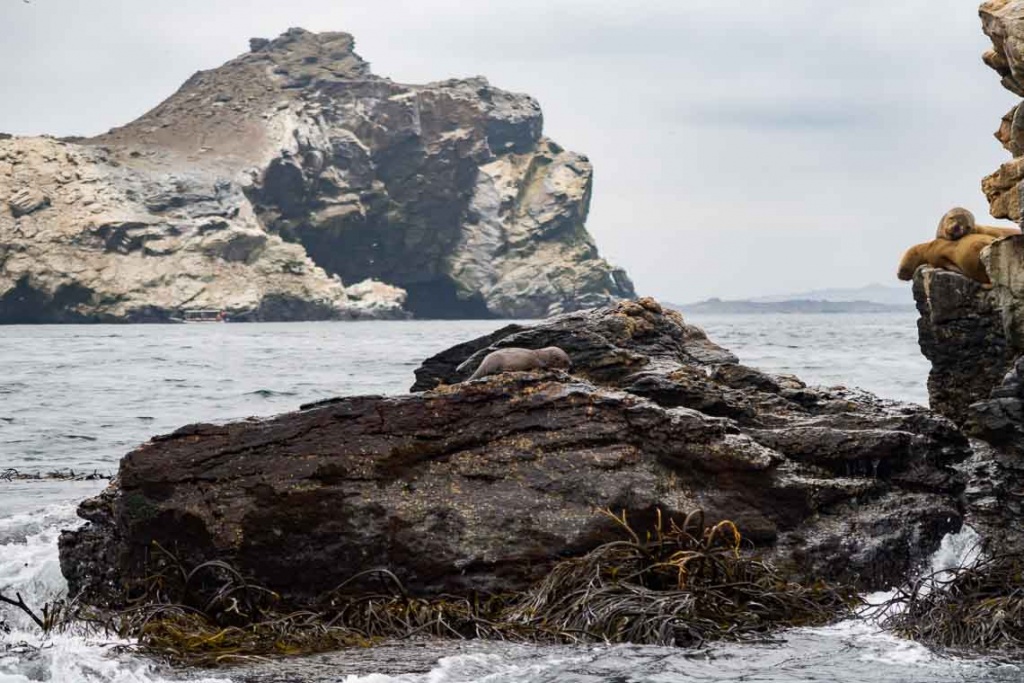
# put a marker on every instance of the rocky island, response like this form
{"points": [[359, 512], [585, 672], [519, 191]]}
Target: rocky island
{"points": [[293, 184]]}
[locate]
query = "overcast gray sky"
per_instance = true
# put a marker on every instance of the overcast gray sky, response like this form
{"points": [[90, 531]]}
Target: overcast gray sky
{"points": [[740, 148]]}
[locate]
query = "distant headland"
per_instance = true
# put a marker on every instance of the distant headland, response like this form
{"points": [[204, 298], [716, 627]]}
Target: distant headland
{"points": [[873, 298]]}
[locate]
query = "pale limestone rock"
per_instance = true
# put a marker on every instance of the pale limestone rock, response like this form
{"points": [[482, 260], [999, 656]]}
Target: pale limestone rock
{"points": [[1004, 262], [525, 247], [378, 299], [1003, 22], [25, 201], [130, 244]]}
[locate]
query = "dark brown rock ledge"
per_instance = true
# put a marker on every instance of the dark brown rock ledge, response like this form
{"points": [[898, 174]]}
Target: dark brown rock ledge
{"points": [[973, 338], [482, 486]]}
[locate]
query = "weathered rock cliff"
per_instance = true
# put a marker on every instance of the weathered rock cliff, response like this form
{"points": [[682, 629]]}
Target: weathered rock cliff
{"points": [[974, 337], [260, 185], [483, 486], [971, 336]]}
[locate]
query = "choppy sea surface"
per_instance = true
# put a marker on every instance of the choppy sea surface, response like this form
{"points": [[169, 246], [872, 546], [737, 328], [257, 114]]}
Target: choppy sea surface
{"points": [[77, 397]]}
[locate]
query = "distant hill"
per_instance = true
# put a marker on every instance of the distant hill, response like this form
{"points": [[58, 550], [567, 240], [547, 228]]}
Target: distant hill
{"points": [[791, 306], [874, 293], [873, 298]]}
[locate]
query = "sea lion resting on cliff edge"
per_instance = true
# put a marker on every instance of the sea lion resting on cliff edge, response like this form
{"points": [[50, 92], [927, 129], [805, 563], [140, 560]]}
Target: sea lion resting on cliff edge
{"points": [[958, 222], [515, 359], [962, 256]]}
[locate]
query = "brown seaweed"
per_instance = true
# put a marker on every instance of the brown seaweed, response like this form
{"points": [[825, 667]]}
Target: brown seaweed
{"points": [[970, 610], [679, 583]]}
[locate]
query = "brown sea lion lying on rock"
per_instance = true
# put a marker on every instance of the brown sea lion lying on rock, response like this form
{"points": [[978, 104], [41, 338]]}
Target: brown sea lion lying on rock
{"points": [[515, 359], [958, 222], [961, 256]]}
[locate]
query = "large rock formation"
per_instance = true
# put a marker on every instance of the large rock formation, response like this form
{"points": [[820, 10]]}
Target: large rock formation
{"points": [[259, 184], [974, 337], [971, 336], [483, 486]]}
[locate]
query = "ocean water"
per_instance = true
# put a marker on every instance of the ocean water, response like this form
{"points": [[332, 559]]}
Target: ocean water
{"points": [[80, 397]]}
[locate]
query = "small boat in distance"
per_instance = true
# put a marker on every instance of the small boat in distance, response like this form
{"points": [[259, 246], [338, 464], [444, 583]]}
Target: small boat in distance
{"points": [[201, 315]]}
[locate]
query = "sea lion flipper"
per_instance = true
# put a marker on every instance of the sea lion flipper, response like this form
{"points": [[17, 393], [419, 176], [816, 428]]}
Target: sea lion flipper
{"points": [[961, 256]]}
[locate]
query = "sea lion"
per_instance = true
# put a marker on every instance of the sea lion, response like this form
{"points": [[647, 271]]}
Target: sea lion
{"points": [[958, 222], [961, 256], [515, 359]]}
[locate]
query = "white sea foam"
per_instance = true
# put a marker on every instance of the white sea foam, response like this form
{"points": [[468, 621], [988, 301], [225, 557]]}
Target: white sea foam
{"points": [[962, 549], [73, 659], [33, 570], [515, 665], [29, 566]]}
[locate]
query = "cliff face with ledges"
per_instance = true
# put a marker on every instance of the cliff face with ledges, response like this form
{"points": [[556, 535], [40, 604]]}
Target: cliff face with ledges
{"points": [[262, 186], [974, 336], [1003, 23]]}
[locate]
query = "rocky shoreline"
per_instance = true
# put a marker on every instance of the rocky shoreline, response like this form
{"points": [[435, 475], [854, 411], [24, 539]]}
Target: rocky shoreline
{"points": [[463, 493]]}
